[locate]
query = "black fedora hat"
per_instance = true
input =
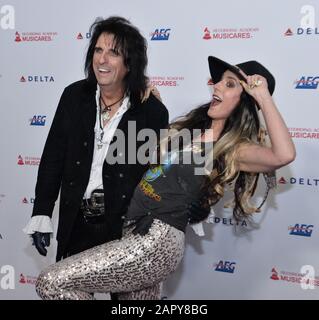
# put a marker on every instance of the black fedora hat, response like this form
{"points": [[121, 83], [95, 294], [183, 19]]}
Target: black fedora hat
{"points": [[217, 68]]}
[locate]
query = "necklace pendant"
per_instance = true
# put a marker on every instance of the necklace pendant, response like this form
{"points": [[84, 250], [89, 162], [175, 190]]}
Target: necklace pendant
{"points": [[99, 146], [106, 116]]}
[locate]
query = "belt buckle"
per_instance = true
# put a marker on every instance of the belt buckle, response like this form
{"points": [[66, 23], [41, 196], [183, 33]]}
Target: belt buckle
{"points": [[95, 195], [93, 212]]}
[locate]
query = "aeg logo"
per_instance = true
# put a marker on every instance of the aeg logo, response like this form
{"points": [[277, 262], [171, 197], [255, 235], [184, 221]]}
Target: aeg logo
{"points": [[309, 82], [304, 230], [160, 34], [225, 266], [37, 120]]}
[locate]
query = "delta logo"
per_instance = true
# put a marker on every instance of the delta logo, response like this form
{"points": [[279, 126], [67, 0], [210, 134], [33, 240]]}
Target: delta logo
{"points": [[227, 221], [37, 79], [37, 120], [160, 34], [312, 182], [304, 230], [301, 32], [225, 266], [166, 81], [229, 33], [34, 36], [26, 201], [302, 279], [307, 82], [27, 279], [304, 133], [28, 161], [81, 36]]}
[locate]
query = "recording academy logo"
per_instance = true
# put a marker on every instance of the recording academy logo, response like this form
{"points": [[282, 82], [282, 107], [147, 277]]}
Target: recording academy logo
{"points": [[160, 34], [166, 81], [27, 279], [34, 36], [81, 36], [225, 266], [229, 33], [305, 279], [37, 79], [304, 133], [274, 274], [304, 230], [37, 120], [310, 182], [28, 161]]}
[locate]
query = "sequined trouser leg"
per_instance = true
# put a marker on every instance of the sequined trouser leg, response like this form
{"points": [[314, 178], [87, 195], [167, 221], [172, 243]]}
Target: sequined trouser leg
{"points": [[134, 266]]}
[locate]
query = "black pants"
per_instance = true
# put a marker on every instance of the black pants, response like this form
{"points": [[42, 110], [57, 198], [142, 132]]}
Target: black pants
{"points": [[85, 236]]}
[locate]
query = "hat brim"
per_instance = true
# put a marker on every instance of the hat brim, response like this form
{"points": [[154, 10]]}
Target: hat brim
{"points": [[217, 68]]}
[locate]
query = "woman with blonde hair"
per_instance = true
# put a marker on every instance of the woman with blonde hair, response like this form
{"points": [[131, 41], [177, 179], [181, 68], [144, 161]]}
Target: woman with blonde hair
{"points": [[153, 242]]}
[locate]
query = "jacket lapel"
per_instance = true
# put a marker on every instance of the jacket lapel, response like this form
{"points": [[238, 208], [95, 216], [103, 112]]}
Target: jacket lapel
{"points": [[88, 114]]}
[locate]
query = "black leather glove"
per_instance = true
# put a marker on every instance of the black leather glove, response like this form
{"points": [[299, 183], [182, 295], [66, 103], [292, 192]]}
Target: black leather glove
{"points": [[143, 225], [197, 213], [40, 241]]}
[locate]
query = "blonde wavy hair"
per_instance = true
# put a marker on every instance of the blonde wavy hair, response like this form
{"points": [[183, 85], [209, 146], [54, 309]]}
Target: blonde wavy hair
{"points": [[241, 128]]}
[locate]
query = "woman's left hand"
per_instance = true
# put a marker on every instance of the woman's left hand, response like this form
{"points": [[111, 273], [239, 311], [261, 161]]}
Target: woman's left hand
{"points": [[148, 91]]}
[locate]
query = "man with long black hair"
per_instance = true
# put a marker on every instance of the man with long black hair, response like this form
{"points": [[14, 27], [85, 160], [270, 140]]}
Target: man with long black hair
{"points": [[95, 194]]}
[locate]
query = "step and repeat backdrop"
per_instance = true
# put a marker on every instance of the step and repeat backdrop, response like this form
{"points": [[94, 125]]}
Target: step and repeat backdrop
{"points": [[42, 50]]}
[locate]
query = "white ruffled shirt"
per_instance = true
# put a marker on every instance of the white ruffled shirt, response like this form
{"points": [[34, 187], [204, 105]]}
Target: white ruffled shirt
{"points": [[42, 223]]}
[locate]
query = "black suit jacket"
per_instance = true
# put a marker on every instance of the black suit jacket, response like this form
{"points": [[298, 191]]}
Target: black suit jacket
{"points": [[67, 158]]}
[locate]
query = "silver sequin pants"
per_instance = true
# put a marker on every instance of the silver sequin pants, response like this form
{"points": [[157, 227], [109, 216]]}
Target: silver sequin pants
{"points": [[134, 267]]}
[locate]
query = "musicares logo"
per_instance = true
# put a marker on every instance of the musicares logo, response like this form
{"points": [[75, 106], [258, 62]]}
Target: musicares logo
{"points": [[304, 133], [28, 161], [295, 277], [229, 33], [166, 81], [27, 279], [34, 36]]}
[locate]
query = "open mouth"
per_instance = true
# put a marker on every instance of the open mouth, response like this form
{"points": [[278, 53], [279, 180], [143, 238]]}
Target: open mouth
{"points": [[104, 70], [216, 100]]}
